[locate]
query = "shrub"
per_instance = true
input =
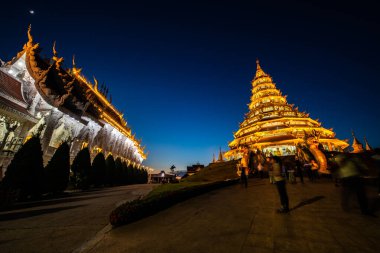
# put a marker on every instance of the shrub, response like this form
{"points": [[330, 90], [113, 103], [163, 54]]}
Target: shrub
{"points": [[99, 170], [140, 208], [58, 170], [25, 173], [81, 168]]}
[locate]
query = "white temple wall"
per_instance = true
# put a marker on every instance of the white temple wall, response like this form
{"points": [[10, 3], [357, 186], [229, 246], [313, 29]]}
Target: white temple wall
{"points": [[55, 126]]}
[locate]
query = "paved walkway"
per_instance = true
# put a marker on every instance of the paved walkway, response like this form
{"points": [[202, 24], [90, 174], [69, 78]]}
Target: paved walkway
{"points": [[64, 224], [236, 219]]}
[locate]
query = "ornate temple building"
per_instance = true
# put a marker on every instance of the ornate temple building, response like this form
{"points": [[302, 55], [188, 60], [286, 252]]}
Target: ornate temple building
{"points": [[275, 127], [39, 96]]}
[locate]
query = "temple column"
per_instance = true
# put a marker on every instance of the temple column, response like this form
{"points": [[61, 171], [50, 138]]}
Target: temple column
{"points": [[51, 124], [330, 147]]}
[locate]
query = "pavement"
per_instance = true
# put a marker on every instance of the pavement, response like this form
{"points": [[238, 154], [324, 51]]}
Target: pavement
{"points": [[68, 224], [238, 219]]}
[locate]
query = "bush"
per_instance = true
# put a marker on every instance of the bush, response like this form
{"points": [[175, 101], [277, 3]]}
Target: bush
{"points": [[140, 208], [81, 168], [58, 170], [25, 173], [111, 176], [99, 170]]}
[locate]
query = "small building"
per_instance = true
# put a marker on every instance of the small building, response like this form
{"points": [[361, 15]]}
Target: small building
{"points": [[191, 170], [162, 177]]}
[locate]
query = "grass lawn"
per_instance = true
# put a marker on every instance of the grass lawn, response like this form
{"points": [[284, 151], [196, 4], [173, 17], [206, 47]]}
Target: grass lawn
{"points": [[213, 173]]}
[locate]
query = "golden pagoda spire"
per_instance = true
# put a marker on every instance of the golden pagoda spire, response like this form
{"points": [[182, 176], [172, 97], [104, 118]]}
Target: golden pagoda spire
{"points": [[74, 65], [220, 157], [259, 71], [356, 145], [213, 158], [367, 146]]}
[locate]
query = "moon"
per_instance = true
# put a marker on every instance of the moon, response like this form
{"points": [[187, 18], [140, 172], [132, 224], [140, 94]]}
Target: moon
{"points": [[31, 12]]}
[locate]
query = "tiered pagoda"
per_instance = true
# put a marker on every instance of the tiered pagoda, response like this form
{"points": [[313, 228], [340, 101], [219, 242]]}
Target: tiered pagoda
{"points": [[275, 127], [39, 95]]}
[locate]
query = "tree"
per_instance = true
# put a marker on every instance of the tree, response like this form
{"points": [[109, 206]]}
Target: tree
{"points": [[99, 170], [118, 171], [111, 176], [25, 173], [81, 168], [58, 170]]}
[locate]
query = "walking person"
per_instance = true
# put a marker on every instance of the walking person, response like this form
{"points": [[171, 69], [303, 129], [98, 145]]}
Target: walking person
{"points": [[280, 184], [260, 170], [243, 177], [299, 169], [351, 182], [314, 171], [270, 169], [244, 166], [307, 169]]}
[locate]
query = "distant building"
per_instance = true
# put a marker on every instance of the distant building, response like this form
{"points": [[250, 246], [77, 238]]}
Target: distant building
{"points": [[191, 170], [162, 177]]}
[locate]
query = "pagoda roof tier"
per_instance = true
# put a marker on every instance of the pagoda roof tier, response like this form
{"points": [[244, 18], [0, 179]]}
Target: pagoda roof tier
{"points": [[272, 121]]}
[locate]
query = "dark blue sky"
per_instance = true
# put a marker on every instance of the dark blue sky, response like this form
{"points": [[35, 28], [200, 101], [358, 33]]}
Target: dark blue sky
{"points": [[181, 70]]}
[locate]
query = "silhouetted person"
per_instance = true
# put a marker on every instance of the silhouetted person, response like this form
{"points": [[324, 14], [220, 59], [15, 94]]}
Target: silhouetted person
{"points": [[260, 169], [314, 171], [280, 184], [307, 169], [243, 177], [349, 174], [299, 169]]}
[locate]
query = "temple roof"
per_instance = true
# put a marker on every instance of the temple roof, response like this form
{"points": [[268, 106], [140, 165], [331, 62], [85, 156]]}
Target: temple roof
{"points": [[10, 86], [69, 90]]}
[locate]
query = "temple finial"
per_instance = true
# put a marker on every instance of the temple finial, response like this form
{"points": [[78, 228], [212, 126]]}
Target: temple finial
{"points": [[30, 37], [356, 145], [54, 51], [74, 66], [259, 70], [367, 146]]}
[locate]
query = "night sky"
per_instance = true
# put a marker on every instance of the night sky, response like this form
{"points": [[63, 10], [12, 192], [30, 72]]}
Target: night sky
{"points": [[181, 70]]}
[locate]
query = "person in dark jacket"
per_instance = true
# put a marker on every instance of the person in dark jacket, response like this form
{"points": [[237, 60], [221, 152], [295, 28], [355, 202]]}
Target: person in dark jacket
{"points": [[280, 184]]}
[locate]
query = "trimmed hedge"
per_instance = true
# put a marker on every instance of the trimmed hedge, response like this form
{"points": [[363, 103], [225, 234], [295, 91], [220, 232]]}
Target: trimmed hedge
{"points": [[141, 208]]}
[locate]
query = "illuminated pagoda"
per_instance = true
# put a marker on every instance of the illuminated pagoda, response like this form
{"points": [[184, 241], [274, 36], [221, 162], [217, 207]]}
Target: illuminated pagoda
{"points": [[38, 95], [276, 128]]}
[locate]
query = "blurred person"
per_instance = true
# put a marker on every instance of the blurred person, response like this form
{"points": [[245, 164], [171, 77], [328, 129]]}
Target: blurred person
{"points": [[280, 184], [299, 169], [348, 172]]}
